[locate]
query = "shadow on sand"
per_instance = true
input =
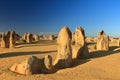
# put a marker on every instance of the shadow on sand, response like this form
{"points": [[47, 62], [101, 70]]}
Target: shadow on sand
{"points": [[91, 43], [95, 54], [39, 43], [101, 53], [12, 54]]}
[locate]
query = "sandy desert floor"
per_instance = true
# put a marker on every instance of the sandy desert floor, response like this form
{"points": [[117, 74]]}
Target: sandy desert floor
{"points": [[102, 65]]}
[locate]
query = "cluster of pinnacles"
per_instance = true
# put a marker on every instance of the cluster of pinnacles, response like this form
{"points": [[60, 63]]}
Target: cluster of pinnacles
{"points": [[65, 56], [36, 37], [8, 39], [49, 37], [71, 46], [29, 38]]}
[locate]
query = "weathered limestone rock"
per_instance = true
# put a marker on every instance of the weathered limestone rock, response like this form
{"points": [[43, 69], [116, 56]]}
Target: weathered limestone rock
{"points": [[12, 39], [33, 65], [29, 66], [8, 39], [29, 38], [75, 51], [46, 65], [41, 37], [51, 37], [3, 40], [36, 37], [80, 49], [118, 42], [73, 38], [24, 37], [102, 41], [17, 37], [45, 37], [64, 55], [80, 36]]}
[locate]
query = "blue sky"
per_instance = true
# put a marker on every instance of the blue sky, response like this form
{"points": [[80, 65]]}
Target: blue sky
{"points": [[37, 16]]}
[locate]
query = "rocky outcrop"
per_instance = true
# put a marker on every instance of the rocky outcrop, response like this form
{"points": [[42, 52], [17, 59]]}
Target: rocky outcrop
{"points": [[80, 49], [64, 55], [102, 41]]}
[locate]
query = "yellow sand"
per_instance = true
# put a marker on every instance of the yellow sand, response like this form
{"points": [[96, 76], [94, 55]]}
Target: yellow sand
{"points": [[103, 65]]}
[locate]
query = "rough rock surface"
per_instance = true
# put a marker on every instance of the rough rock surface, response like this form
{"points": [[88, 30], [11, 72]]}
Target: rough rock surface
{"points": [[64, 55], [29, 66], [102, 41]]}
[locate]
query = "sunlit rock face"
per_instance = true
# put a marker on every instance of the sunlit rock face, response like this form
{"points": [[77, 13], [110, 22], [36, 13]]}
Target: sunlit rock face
{"points": [[8, 39], [29, 38], [80, 49], [102, 41], [3, 40], [36, 37], [64, 55], [12, 39], [30, 66], [51, 37]]}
